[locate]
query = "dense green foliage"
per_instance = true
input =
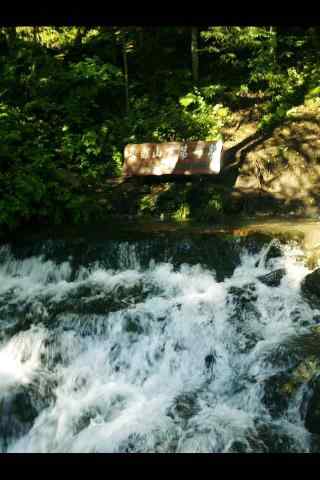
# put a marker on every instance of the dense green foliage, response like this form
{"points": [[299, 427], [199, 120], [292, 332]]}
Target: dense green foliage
{"points": [[72, 97]]}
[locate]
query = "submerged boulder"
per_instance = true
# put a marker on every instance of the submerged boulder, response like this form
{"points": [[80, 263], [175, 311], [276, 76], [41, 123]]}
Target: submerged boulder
{"points": [[255, 241], [210, 360], [242, 296], [244, 316], [274, 438], [17, 414], [277, 393], [265, 438], [281, 388], [312, 418], [220, 253], [184, 406], [273, 279], [273, 252], [315, 443]]}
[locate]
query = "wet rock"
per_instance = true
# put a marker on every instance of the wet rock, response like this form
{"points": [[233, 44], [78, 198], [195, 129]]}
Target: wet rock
{"points": [[286, 355], [84, 420], [184, 407], [308, 344], [18, 315], [276, 395], [248, 340], [312, 419], [264, 438], [273, 279], [280, 388], [310, 287], [316, 318], [136, 442], [273, 252], [132, 323], [312, 258], [244, 316], [209, 360], [135, 294], [242, 296], [17, 414], [274, 440], [218, 253], [10, 326], [295, 315], [315, 443], [133, 326], [254, 242], [156, 441], [238, 446], [52, 351], [93, 300]]}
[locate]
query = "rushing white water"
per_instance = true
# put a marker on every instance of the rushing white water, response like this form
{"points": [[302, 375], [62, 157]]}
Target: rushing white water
{"points": [[147, 359]]}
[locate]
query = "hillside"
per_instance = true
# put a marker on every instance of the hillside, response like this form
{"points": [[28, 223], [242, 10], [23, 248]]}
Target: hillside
{"points": [[72, 98], [271, 174], [284, 166]]}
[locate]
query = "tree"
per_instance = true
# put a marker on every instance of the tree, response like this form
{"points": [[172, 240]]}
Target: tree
{"points": [[125, 68], [81, 32], [274, 47], [11, 37], [195, 54]]}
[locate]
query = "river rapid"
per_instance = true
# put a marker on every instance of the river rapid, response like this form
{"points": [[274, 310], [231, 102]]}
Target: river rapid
{"points": [[155, 344]]}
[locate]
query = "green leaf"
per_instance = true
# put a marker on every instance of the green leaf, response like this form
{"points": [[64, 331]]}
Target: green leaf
{"points": [[187, 100], [314, 92]]}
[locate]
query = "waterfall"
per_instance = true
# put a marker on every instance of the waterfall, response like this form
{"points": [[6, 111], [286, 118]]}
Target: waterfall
{"points": [[130, 348]]}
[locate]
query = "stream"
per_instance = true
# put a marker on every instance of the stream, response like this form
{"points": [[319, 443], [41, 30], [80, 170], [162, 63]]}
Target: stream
{"points": [[159, 343]]}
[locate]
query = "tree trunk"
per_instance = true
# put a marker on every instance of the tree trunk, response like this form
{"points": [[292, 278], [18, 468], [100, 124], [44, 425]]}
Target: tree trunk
{"points": [[125, 70], [35, 31], [11, 37], [80, 34], [314, 32], [141, 39], [195, 54], [274, 47]]}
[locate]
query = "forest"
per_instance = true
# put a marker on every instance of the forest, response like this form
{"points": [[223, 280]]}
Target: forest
{"points": [[72, 97], [172, 314]]}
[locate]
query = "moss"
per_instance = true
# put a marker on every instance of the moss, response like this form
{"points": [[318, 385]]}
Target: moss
{"points": [[182, 213], [301, 375], [147, 204], [211, 209]]}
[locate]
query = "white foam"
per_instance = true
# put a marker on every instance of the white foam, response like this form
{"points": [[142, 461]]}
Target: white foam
{"points": [[120, 381]]}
